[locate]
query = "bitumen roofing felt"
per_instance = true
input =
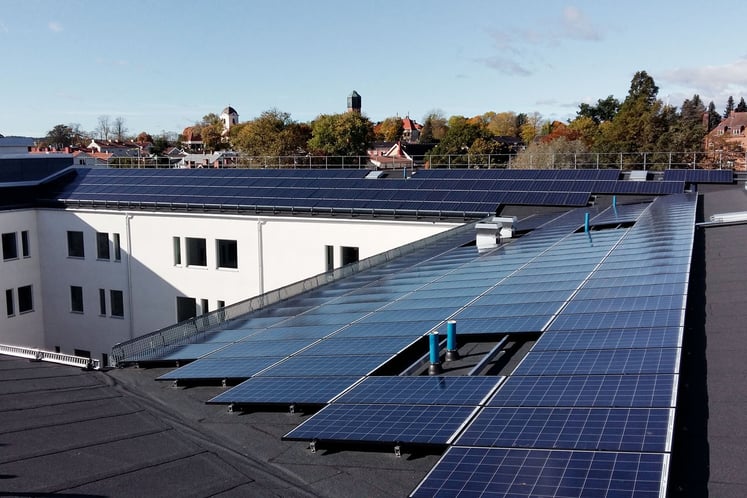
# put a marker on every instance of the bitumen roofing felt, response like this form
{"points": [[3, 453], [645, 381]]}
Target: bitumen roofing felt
{"points": [[120, 433]]}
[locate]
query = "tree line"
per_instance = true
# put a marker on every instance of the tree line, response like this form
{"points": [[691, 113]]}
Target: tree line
{"points": [[640, 122]]}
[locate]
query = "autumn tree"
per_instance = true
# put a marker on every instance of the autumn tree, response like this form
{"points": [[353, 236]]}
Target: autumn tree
{"points": [[503, 124], [347, 134], [531, 128], [390, 130], [459, 137], [434, 127], [273, 133], [211, 131], [554, 154]]}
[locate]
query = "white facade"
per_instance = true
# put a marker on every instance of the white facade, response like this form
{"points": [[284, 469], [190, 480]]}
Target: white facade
{"points": [[134, 265]]}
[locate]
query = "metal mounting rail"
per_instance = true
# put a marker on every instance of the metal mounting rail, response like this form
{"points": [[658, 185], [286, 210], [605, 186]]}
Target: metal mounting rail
{"points": [[50, 356]]}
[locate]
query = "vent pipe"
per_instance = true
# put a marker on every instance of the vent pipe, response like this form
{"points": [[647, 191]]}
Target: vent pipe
{"points": [[490, 232], [435, 367], [451, 341]]}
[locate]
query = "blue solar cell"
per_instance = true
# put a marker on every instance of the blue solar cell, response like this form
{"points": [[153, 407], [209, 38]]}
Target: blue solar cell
{"points": [[184, 352], [359, 346], [286, 390], [422, 424], [645, 338], [221, 368], [249, 349], [603, 361], [514, 324], [651, 391], [389, 329], [491, 472], [608, 429], [644, 303], [326, 366], [620, 320], [434, 390]]}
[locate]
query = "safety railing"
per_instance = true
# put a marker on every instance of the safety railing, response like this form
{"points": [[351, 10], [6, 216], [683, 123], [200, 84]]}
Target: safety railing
{"points": [[50, 356], [151, 346]]}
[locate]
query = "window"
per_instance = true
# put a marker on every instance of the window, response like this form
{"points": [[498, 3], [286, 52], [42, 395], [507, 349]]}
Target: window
{"points": [[186, 308], [102, 245], [348, 255], [177, 251], [117, 248], [196, 252], [75, 245], [227, 254], [117, 302], [204, 306], [10, 246], [329, 258], [10, 309], [221, 304], [102, 302], [76, 299], [25, 299], [25, 252]]}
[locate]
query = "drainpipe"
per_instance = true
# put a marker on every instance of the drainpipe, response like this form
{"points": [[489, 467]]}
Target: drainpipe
{"points": [[260, 258], [128, 236]]}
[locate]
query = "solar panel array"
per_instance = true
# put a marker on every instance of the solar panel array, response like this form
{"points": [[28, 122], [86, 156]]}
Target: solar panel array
{"points": [[595, 396], [474, 193], [700, 175], [596, 391]]}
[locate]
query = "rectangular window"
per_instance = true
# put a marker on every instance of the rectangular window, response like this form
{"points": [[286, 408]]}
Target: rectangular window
{"points": [[117, 302], [204, 306], [348, 255], [25, 251], [177, 251], [102, 302], [25, 299], [102, 245], [76, 299], [196, 252], [221, 304], [10, 246], [75, 245], [227, 254], [117, 248], [329, 258], [10, 309], [186, 308]]}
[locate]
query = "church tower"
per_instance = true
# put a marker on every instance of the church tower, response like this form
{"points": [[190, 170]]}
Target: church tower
{"points": [[230, 118], [354, 102]]}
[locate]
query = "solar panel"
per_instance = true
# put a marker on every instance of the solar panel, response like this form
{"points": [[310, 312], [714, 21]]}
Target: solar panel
{"points": [[221, 368], [390, 423], [653, 391], [326, 366], [491, 472], [358, 346], [184, 352], [431, 390], [603, 361], [620, 320], [286, 390], [608, 429], [646, 338], [249, 349]]}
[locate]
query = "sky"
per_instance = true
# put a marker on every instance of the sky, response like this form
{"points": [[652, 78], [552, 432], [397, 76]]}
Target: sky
{"points": [[162, 65]]}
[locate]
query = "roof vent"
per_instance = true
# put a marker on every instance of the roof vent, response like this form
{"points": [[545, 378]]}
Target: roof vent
{"points": [[490, 233], [373, 175]]}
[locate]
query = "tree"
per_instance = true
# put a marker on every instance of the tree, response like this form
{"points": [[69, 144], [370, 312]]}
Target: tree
{"points": [[60, 136], [531, 127], [103, 130], [559, 153], [460, 136], [604, 110], [211, 130], [741, 106], [273, 133], [390, 130], [587, 129], [434, 127], [729, 107], [714, 118], [118, 129], [503, 124], [347, 134]]}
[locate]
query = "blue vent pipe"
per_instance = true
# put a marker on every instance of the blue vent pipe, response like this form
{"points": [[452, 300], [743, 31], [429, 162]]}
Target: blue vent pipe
{"points": [[451, 341], [435, 366], [614, 204], [586, 223]]}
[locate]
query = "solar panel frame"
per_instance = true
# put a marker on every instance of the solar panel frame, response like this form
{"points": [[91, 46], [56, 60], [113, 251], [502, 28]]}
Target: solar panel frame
{"points": [[600, 361], [422, 390], [285, 390]]}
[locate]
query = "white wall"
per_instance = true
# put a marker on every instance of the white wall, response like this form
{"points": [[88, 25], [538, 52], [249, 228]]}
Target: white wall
{"points": [[272, 252], [21, 329]]}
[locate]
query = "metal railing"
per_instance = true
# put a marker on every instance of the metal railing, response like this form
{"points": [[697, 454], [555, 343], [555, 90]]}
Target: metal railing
{"points": [[50, 356], [655, 160], [151, 346]]}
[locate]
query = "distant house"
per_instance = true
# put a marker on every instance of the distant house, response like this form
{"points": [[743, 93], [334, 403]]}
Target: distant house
{"points": [[191, 139], [411, 130], [15, 145], [388, 155], [222, 159], [230, 118], [726, 144]]}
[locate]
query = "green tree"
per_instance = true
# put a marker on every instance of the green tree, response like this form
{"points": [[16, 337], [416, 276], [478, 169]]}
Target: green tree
{"points": [[60, 136], [459, 137], [347, 134], [434, 127], [390, 130], [532, 127], [603, 110], [741, 106], [555, 154], [503, 124], [211, 130], [714, 118], [587, 129], [273, 133], [729, 106]]}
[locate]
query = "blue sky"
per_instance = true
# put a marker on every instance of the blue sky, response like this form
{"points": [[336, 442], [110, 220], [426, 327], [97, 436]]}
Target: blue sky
{"points": [[162, 65]]}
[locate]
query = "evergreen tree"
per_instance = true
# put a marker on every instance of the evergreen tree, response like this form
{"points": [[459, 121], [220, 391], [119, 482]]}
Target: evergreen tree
{"points": [[714, 118], [729, 106], [742, 106]]}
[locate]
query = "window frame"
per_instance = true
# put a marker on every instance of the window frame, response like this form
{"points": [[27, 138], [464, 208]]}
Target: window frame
{"points": [[9, 246], [196, 249], [227, 252], [22, 299], [25, 246], [103, 251], [102, 302], [72, 244], [116, 303], [10, 309], [76, 299]]}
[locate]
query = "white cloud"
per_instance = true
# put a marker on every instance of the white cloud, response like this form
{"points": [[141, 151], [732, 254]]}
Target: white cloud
{"points": [[710, 79], [518, 46], [54, 26]]}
